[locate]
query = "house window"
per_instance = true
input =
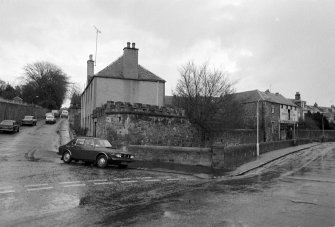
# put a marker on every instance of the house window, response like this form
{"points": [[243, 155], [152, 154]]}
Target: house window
{"points": [[272, 109], [281, 106], [289, 115]]}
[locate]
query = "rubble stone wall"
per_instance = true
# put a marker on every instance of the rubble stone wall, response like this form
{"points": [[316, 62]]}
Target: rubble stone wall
{"points": [[16, 111], [140, 124]]}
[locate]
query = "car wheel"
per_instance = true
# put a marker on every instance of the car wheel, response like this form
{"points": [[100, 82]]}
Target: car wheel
{"points": [[102, 161], [67, 157]]}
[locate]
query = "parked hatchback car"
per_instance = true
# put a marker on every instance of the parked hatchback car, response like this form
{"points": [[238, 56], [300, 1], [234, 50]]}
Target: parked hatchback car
{"points": [[50, 118], [29, 120], [64, 113], [94, 150], [9, 126]]}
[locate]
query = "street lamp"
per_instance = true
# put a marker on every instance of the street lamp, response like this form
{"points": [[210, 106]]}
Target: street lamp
{"points": [[323, 129], [257, 144]]}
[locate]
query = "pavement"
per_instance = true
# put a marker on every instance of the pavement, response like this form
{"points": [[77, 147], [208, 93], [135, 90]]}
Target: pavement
{"points": [[268, 157], [200, 172], [64, 132]]}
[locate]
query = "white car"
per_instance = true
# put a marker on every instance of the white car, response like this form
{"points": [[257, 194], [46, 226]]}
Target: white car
{"points": [[50, 118], [64, 113]]}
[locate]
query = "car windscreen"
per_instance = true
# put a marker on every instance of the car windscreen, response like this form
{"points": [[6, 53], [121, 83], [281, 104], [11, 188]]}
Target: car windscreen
{"points": [[28, 117], [102, 143], [7, 122]]}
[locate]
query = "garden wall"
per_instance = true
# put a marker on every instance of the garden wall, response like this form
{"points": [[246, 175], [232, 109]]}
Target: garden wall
{"points": [[168, 154], [16, 111]]}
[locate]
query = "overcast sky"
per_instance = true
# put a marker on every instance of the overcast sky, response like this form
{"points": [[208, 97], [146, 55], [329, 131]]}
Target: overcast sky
{"points": [[285, 46]]}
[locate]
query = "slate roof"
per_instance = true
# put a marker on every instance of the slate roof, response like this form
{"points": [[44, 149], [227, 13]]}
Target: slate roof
{"points": [[114, 70], [255, 95]]}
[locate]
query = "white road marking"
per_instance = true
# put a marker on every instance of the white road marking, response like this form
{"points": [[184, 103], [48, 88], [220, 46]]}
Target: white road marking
{"points": [[34, 185], [69, 182], [37, 189], [6, 187], [173, 179], [121, 178], [74, 185], [143, 177], [97, 180], [7, 191], [102, 183], [153, 180], [129, 181]]}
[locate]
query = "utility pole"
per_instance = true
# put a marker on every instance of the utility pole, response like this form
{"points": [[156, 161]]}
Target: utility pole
{"points": [[96, 44]]}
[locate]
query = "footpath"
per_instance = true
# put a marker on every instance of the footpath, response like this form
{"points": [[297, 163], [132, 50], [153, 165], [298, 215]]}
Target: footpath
{"points": [[268, 157], [206, 173]]}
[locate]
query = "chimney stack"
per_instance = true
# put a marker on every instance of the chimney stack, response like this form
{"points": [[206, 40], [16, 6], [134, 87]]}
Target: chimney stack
{"points": [[130, 61], [90, 68], [297, 96]]}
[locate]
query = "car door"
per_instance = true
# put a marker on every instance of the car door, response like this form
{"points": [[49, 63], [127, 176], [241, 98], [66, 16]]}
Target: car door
{"points": [[77, 147], [88, 152]]}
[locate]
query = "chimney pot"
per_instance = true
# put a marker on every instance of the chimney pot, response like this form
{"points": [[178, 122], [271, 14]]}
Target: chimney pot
{"points": [[128, 44], [133, 45], [91, 57]]}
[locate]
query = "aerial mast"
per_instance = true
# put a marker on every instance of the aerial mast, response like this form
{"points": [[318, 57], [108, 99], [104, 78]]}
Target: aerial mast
{"points": [[96, 44]]}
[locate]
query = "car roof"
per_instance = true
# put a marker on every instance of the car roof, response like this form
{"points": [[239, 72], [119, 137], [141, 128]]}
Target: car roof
{"points": [[7, 120]]}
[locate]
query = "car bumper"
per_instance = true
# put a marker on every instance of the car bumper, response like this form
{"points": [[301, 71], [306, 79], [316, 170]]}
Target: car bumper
{"points": [[27, 122], [119, 160], [50, 121], [7, 129]]}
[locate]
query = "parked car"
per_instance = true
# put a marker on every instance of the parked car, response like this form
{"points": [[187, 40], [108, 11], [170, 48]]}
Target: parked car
{"points": [[9, 126], [29, 120], [64, 113], [50, 118], [55, 112], [94, 150]]}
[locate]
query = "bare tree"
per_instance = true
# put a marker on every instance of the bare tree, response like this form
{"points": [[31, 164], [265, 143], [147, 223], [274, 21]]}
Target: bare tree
{"points": [[46, 85], [206, 96], [74, 94]]}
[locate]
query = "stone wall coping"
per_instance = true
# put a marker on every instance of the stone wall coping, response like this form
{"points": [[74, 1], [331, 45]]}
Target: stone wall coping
{"points": [[174, 148]]}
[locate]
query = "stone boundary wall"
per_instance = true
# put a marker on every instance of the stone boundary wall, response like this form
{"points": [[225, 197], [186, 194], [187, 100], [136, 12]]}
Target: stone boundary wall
{"points": [[237, 136], [137, 108], [216, 157], [139, 124], [169, 154], [315, 134], [16, 111], [234, 156]]}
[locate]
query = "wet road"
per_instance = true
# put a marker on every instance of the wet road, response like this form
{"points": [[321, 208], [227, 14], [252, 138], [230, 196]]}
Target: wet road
{"points": [[38, 189], [297, 190]]}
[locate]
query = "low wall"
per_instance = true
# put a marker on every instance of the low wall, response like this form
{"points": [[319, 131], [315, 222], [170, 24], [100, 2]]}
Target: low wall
{"points": [[16, 111], [178, 155], [217, 157], [236, 136], [233, 156]]}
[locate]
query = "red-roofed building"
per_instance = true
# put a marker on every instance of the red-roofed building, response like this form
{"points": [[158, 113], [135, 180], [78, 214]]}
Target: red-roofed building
{"points": [[124, 80]]}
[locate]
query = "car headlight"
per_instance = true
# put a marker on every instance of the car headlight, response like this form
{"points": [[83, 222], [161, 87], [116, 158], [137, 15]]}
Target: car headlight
{"points": [[132, 156], [118, 155]]}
